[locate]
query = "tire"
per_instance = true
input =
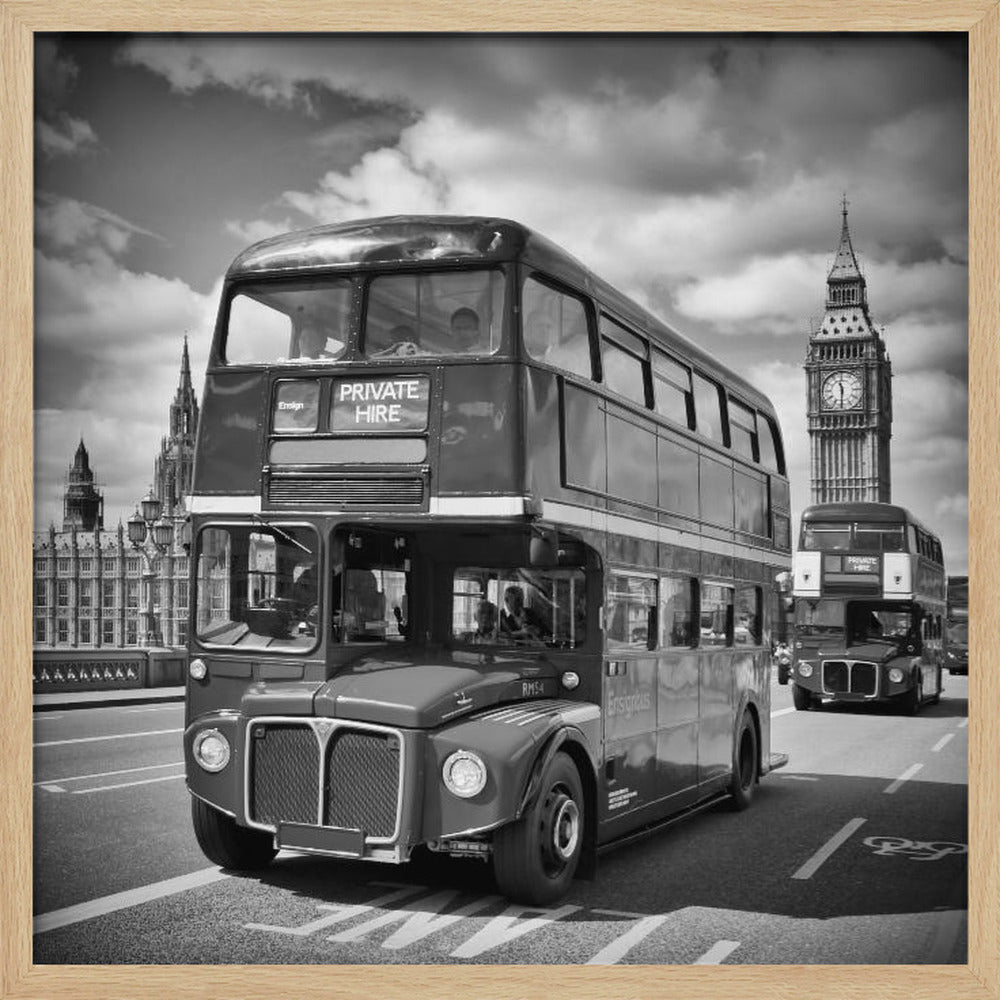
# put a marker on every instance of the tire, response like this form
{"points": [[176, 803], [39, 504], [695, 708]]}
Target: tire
{"points": [[802, 699], [910, 702], [745, 764], [536, 857], [226, 843]]}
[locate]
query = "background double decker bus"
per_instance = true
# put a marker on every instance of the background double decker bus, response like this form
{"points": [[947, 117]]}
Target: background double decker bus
{"points": [[869, 592], [483, 558], [957, 651]]}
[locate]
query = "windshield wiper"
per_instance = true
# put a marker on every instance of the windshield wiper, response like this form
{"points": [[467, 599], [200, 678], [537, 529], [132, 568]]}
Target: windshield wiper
{"points": [[278, 531]]}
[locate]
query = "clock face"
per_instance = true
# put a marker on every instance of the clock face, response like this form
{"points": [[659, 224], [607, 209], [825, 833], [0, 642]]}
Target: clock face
{"points": [[842, 391]]}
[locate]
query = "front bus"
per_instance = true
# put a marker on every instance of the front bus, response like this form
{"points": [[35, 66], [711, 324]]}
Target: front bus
{"points": [[411, 625], [868, 587]]}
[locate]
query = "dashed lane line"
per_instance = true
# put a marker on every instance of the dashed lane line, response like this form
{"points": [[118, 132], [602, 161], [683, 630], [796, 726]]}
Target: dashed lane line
{"points": [[55, 919], [114, 736], [827, 850], [894, 787], [963, 724], [127, 784], [941, 742], [109, 774]]}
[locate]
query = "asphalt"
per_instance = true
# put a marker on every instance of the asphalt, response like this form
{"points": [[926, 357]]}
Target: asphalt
{"points": [[98, 699]]}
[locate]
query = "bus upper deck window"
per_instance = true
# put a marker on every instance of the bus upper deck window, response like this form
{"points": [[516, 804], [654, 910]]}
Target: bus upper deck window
{"points": [[452, 313], [298, 322], [555, 328]]}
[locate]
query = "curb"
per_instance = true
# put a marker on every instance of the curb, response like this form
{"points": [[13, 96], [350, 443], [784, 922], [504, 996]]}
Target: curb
{"points": [[106, 699]]}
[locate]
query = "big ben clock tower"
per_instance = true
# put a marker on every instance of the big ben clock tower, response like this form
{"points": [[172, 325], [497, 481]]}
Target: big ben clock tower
{"points": [[849, 381]]}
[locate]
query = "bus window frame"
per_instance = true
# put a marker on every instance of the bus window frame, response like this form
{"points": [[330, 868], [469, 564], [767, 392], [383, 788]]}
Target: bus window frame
{"points": [[525, 274]]}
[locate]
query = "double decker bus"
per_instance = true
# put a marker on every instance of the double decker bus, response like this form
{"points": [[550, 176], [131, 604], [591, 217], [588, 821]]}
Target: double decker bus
{"points": [[483, 559], [869, 592], [957, 652]]}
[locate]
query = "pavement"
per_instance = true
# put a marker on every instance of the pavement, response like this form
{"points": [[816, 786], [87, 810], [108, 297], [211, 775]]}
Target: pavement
{"points": [[98, 699]]}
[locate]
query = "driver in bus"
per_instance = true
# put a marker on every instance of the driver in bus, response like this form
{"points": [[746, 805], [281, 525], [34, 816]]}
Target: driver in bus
{"points": [[518, 621], [465, 329]]}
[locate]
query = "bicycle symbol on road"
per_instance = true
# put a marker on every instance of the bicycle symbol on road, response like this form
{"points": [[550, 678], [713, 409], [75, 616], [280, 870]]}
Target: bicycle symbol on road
{"points": [[915, 850]]}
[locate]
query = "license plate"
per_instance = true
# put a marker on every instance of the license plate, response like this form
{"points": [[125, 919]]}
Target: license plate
{"points": [[325, 839]]}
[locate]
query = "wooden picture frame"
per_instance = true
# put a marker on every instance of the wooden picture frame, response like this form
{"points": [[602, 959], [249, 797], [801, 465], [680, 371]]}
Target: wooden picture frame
{"points": [[980, 978]]}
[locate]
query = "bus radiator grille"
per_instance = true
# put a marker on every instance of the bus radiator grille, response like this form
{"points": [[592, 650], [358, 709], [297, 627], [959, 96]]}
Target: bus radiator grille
{"points": [[284, 776], [346, 491], [362, 782], [850, 677]]}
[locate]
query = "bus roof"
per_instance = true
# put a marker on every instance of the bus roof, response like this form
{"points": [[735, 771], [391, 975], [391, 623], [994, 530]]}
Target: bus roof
{"points": [[423, 240], [861, 511]]}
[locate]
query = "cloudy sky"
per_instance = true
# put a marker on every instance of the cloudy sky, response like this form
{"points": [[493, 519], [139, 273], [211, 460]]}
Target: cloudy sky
{"points": [[703, 175]]}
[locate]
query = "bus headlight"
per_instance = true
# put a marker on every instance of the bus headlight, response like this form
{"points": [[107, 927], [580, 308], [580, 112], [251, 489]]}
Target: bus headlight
{"points": [[805, 670], [211, 750], [197, 669], [464, 774], [895, 675]]}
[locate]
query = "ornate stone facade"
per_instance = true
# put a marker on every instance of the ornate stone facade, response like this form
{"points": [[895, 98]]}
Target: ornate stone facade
{"points": [[88, 582]]}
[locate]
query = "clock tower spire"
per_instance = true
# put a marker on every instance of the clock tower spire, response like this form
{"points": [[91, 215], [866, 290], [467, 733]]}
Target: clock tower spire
{"points": [[849, 386]]}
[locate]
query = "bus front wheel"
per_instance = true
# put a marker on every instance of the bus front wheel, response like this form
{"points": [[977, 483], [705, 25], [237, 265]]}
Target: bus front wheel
{"points": [[744, 779], [801, 698], [535, 857], [226, 843]]}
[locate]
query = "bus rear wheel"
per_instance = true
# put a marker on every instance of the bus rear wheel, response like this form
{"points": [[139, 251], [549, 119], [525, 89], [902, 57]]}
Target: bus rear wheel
{"points": [[745, 770], [801, 698], [226, 843], [536, 857]]}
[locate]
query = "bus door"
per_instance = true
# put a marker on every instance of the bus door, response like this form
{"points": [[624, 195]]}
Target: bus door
{"points": [[716, 682], [629, 693]]}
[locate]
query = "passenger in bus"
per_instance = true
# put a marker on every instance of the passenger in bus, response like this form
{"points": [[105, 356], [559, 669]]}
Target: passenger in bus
{"points": [[517, 620], [465, 330], [486, 622]]}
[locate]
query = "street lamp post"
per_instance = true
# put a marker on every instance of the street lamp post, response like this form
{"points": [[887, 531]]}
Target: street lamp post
{"points": [[150, 535]]}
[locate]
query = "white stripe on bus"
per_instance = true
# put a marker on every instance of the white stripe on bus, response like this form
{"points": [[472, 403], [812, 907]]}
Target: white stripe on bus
{"points": [[224, 504]]}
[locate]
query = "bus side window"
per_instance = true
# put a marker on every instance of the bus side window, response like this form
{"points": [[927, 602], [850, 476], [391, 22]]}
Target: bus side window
{"points": [[629, 601], [748, 616], [555, 328], [716, 615], [677, 612]]}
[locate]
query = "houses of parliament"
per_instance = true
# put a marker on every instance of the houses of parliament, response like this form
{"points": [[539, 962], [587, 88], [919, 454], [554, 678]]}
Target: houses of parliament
{"points": [[88, 582]]}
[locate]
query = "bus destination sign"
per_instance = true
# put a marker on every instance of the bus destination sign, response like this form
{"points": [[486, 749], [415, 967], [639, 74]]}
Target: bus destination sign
{"points": [[861, 564], [384, 405]]}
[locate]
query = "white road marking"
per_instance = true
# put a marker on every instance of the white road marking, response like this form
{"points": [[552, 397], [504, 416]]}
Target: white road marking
{"points": [[826, 851], [797, 777], [621, 946], [901, 780], [941, 742], [98, 739], [53, 788], [127, 784], [338, 913], [508, 926], [717, 953], [152, 708], [963, 724], [47, 716], [108, 774], [422, 917], [124, 900], [783, 711]]}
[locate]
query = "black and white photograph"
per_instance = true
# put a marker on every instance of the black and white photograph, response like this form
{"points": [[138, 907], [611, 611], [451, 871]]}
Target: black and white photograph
{"points": [[501, 499]]}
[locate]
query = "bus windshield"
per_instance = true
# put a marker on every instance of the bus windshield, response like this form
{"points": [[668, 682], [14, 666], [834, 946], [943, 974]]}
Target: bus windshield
{"points": [[456, 312], [256, 587], [819, 618], [869, 621], [522, 607], [289, 321]]}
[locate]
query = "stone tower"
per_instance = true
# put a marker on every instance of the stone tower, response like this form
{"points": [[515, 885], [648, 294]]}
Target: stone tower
{"points": [[849, 391], [83, 505], [174, 466]]}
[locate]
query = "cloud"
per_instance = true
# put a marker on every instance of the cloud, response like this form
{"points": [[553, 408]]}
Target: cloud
{"points": [[57, 133]]}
